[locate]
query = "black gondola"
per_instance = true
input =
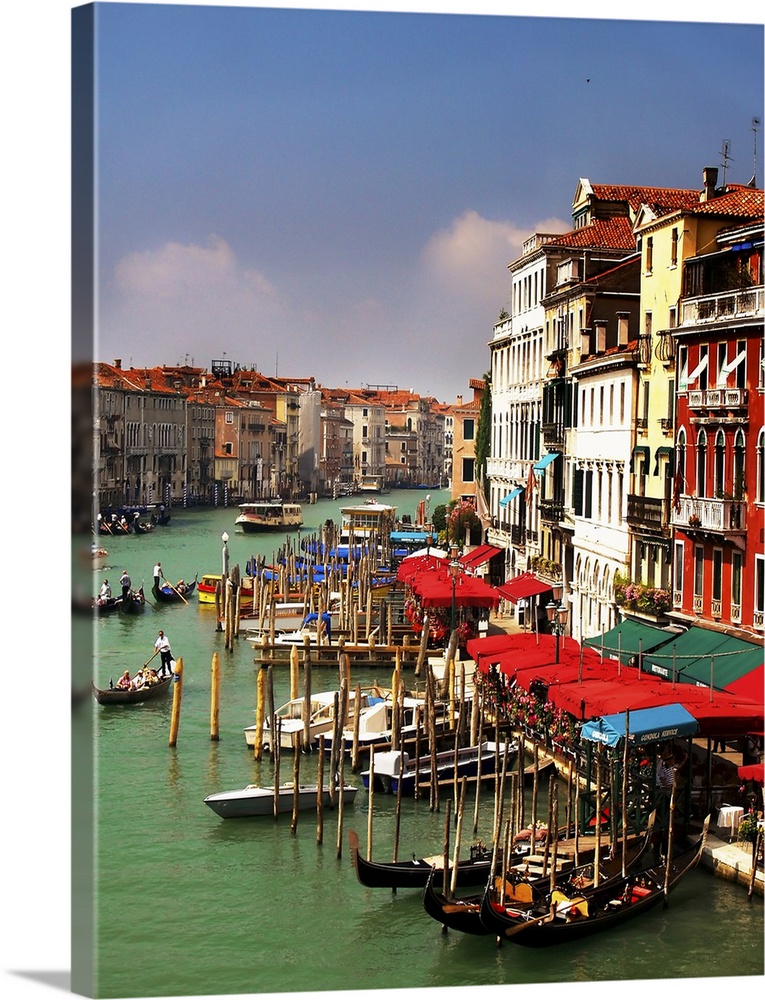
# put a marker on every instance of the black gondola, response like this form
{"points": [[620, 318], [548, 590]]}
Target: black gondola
{"points": [[414, 874], [169, 594], [464, 913], [135, 603], [567, 916]]}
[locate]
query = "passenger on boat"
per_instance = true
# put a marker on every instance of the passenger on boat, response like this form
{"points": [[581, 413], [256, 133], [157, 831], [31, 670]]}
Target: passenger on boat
{"points": [[105, 592], [138, 681], [124, 681], [162, 645]]}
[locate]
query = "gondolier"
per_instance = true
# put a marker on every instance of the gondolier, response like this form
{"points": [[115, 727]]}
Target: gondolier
{"points": [[125, 583], [162, 646], [157, 574]]}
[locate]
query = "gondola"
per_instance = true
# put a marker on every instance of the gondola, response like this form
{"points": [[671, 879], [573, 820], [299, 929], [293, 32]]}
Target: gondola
{"points": [[135, 603], [168, 594], [464, 913], [414, 874], [567, 916], [122, 696]]}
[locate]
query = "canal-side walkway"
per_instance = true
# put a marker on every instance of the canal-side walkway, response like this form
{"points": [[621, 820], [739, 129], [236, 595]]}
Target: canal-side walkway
{"points": [[725, 858]]}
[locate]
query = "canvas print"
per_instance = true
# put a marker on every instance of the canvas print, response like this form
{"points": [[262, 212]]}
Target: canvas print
{"points": [[418, 459]]}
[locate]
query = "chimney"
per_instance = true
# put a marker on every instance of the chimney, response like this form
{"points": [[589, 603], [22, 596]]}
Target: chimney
{"points": [[622, 328], [118, 362], [600, 335], [709, 180], [459, 400]]}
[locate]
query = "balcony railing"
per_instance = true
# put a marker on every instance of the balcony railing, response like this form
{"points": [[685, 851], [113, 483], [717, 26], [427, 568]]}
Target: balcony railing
{"points": [[717, 399], [550, 510], [647, 512], [717, 308], [710, 514]]}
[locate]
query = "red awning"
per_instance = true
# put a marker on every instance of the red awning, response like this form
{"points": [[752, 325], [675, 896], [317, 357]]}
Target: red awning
{"points": [[416, 564], [469, 592], [749, 686], [478, 556], [751, 772], [525, 585]]}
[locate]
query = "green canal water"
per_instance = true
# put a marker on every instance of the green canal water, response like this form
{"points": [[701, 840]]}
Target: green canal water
{"points": [[188, 904]]}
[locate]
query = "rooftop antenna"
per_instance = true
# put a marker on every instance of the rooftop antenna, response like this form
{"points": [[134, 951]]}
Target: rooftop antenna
{"points": [[726, 156], [755, 126], [277, 364]]}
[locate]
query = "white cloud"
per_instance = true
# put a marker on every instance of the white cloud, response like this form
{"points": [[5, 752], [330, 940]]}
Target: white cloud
{"points": [[470, 257]]}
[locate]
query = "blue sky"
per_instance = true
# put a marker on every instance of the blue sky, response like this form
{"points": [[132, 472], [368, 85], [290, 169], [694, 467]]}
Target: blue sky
{"points": [[338, 193]]}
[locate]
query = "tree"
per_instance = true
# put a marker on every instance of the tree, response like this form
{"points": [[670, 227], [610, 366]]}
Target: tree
{"points": [[483, 431]]}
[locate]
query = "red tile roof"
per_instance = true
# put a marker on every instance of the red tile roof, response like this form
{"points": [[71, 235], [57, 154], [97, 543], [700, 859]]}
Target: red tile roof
{"points": [[608, 234]]}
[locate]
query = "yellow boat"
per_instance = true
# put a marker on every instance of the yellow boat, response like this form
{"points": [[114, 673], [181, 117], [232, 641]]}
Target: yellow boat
{"points": [[207, 586]]}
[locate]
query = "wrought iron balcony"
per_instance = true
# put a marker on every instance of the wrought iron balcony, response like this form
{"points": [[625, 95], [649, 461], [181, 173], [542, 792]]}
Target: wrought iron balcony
{"points": [[550, 511], [648, 513]]}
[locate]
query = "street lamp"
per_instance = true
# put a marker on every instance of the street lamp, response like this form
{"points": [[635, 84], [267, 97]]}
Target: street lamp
{"points": [[557, 615], [224, 539], [454, 570]]}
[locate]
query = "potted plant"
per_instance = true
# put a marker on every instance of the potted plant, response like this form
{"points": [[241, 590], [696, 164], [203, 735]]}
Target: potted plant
{"points": [[747, 828]]}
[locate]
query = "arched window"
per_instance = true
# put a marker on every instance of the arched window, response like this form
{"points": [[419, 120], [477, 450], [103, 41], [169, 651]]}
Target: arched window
{"points": [[739, 465], [719, 483], [701, 464], [761, 466], [680, 460]]}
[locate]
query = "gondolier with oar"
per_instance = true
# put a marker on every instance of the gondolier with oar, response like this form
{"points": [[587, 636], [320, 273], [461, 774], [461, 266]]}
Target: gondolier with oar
{"points": [[162, 646]]}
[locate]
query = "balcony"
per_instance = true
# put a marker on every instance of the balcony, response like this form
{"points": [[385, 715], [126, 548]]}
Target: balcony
{"points": [[553, 435], [715, 515], [724, 306], [550, 511], [717, 406], [647, 513]]}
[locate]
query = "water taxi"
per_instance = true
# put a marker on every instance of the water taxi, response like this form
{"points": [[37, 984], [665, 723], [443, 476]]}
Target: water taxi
{"points": [[269, 515], [207, 586]]}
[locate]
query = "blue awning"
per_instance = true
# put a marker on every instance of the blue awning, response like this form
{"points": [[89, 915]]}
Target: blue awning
{"points": [[545, 460], [511, 496], [647, 725]]}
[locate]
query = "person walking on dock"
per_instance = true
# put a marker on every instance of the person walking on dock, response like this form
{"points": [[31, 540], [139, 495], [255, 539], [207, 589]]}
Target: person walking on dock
{"points": [[162, 646]]}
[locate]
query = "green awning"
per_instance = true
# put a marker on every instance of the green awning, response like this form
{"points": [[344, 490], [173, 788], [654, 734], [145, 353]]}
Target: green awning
{"points": [[628, 639], [698, 651], [641, 450]]}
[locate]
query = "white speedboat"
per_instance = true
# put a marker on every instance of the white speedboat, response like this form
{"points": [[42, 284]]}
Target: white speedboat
{"points": [[290, 718], [375, 729], [261, 800]]}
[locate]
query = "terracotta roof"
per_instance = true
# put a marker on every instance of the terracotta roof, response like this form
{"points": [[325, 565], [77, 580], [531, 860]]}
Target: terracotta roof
{"points": [[636, 196], [607, 234], [745, 202]]}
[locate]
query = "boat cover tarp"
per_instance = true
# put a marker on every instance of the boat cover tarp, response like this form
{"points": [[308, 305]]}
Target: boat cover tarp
{"points": [[629, 638], [647, 725]]}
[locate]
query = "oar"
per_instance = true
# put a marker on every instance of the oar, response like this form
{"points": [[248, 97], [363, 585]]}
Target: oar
{"points": [[173, 588], [545, 918], [150, 659]]}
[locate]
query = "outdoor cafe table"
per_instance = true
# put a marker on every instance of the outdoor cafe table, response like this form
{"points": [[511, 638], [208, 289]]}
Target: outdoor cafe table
{"points": [[730, 816]]}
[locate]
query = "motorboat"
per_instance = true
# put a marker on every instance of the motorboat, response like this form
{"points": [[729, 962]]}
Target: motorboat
{"points": [[265, 800], [290, 718], [269, 515], [375, 724], [396, 767]]}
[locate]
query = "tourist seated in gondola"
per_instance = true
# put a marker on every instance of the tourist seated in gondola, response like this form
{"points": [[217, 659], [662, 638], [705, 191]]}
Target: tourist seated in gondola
{"points": [[104, 593], [124, 681], [139, 680]]}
